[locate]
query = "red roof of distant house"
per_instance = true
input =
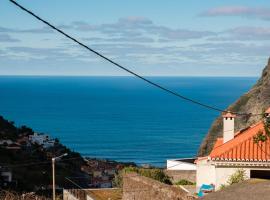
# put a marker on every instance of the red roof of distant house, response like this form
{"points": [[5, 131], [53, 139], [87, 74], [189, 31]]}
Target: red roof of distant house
{"points": [[242, 147]]}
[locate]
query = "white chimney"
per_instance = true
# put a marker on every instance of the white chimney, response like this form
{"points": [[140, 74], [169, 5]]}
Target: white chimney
{"points": [[228, 126]]}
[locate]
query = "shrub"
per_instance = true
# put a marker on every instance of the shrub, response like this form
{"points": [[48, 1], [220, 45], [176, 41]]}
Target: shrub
{"points": [[238, 177], [223, 186], [184, 182], [157, 174]]}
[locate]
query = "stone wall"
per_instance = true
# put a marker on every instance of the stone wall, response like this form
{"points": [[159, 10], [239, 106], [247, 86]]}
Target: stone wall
{"points": [[177, 175], [74, 194], [136, 187]]}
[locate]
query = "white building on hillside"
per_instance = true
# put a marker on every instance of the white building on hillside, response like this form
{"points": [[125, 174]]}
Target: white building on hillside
{"points": [[42, 139], [235, 151]]}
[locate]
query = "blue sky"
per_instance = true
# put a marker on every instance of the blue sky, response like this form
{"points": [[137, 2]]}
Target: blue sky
{"points": [[153, 37]]}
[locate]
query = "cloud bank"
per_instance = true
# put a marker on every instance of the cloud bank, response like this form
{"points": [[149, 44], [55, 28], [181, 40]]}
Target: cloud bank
{"points": [[243, 11]]}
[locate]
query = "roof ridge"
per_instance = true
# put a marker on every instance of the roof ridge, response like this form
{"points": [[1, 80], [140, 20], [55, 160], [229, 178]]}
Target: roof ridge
{"points": [[247, 128], [252, 126]]}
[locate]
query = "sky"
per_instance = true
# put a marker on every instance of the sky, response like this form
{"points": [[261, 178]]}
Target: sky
{"points": [[153, 37]]}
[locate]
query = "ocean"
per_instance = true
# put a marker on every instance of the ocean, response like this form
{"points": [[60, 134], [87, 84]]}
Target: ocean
{"points": [[120, 118]]}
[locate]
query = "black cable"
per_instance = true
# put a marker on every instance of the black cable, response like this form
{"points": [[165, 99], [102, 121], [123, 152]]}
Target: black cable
{"points": [[122, 67]]}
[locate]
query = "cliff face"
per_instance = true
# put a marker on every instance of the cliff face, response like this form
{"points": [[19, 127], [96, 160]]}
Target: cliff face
{"points": [[254, 101]]}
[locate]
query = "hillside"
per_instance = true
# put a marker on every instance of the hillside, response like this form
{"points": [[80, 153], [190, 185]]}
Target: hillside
{"points": [[30, 163], [256, 100]]}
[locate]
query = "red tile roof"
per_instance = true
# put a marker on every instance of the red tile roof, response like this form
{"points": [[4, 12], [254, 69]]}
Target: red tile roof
{"points": [[242, 147]]}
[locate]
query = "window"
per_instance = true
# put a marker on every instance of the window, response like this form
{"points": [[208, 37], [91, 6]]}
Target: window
{"points": [[263, 174]]}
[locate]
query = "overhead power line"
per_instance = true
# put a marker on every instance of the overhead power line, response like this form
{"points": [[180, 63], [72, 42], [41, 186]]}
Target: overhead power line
{"points": [[124, 68]]}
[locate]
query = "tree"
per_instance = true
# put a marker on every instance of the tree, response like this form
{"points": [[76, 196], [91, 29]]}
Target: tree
{"points": [[262, 136]]}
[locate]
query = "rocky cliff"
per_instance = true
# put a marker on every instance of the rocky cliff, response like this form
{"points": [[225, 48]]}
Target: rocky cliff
{"points": [[254, 101]]}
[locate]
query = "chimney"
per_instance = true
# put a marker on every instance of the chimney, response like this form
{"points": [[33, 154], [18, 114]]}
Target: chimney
{"points": [[228, 126]]}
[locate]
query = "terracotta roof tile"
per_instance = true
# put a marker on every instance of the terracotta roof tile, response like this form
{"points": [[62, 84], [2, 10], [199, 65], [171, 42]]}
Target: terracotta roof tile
{"points": [[242, 147]]}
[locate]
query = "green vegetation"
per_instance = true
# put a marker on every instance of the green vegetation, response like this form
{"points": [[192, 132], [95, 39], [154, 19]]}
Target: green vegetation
{"points": [[37, 176], [261, 136], [241, 102], [238, 177], [184, 182], [154, 173]]}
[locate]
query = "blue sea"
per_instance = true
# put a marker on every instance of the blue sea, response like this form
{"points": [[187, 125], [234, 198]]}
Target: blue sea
{"points": [[120, 118]]}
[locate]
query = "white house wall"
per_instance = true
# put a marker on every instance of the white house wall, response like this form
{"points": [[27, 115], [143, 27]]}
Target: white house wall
{"points": [[206, 174], [178, 165], [209, 173], [223, 175]]}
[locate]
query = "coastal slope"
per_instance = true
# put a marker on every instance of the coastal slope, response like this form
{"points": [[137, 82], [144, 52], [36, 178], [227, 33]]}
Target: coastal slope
{"points": [[256, 100]]}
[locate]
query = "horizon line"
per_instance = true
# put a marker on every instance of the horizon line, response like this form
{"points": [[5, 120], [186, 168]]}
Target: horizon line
{"points": [[69, 75]]}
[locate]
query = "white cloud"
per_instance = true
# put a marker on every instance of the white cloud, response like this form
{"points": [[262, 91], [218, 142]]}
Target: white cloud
{"points": [[244, 11]]}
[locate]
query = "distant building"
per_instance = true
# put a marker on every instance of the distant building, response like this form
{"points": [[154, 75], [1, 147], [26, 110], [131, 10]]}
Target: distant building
{"points": [[5, 142], [181, 164], [92, 194], [42, 139], [14, 146], [235, 151], [38, 138], [97, 173], [5, 177]]}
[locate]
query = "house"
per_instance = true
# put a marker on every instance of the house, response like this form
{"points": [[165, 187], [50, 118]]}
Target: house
{"points": [[49, 143], [181, 164], [5, 142], [42, 139], [179, 169], [38, 138], [92, 194], [5, 177], [24, 142], [14, 146], [235, 151]]}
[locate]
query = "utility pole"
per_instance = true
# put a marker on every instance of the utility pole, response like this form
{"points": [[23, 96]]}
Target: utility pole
{"points": [[53, 171]]}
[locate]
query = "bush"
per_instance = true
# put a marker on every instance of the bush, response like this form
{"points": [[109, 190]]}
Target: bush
{"points": [[238, 177], [223, 186], [184, 182], [157, 174]]}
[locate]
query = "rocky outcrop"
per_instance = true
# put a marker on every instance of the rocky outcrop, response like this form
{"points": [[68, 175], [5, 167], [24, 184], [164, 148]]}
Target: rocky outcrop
{"points": [[254, 101]]}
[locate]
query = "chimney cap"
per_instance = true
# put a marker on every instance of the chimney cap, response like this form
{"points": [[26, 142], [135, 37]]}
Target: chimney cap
{"points": [[228, 115]]}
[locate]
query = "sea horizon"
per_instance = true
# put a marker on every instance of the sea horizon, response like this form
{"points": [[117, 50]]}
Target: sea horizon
{"points": [[120, 118], [157, 76]]}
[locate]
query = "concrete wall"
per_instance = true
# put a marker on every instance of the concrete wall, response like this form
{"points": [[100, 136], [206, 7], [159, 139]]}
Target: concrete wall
{"points": [[179, 165], [206, 173], [177, 175], [223, 175], [137, 187], [75, 194]]}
